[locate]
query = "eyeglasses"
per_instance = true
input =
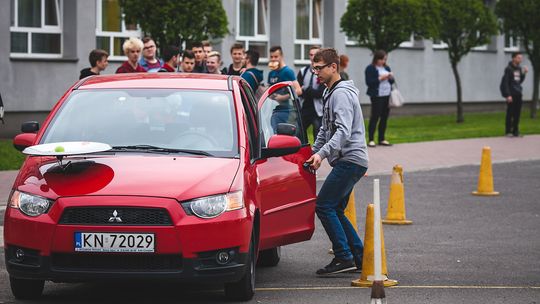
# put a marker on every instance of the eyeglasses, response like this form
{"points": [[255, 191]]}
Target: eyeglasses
{"points": [[318, 68]]}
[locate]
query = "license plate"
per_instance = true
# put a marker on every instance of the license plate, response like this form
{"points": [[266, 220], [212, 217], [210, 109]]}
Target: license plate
{"points": [[114, 242]]}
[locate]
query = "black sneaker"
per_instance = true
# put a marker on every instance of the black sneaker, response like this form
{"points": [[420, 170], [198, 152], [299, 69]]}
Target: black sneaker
{"points": [[337, 266], [358, 263]]}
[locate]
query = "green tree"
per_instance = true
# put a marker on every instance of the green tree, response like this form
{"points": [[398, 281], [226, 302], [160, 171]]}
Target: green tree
{"points": [[520, 19], [384, 24], [175, 22], [464, 25]]}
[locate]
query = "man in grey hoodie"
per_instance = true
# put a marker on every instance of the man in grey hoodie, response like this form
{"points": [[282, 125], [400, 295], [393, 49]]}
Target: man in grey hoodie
{"points": [[341, 140]]}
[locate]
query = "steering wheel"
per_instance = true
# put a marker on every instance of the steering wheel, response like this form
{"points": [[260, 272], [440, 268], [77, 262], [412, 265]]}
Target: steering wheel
{"points": [[195, 140]]}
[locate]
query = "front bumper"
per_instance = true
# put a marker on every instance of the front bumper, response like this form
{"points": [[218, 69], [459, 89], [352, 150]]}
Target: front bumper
{"points": [[79, 267], [186, 248]]}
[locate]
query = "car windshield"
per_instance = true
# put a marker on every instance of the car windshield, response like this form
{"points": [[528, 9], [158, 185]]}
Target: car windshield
{"points": [[148, 119]]}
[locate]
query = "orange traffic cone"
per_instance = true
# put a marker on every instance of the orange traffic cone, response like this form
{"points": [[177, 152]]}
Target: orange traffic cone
{"points": [[368, 260], [350, 211], [485, 179], [395, 215]]}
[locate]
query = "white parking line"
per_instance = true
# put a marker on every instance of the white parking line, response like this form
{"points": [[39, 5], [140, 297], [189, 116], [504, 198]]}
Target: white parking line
{"points": [[395, 287]]}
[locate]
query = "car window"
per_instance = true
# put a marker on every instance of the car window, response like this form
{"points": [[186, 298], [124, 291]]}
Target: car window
{"points": [[280, 107], [252, 127], [176, 119]]}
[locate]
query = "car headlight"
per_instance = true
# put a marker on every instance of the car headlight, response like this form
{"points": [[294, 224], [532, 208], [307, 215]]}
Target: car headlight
{"points": [[212, 206], [31, 205]]}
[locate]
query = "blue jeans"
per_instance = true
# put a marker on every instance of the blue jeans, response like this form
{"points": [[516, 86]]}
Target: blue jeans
{"points": [[331, 203]]}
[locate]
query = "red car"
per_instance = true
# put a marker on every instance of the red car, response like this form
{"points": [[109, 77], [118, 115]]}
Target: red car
{"points": [[202, 182]]}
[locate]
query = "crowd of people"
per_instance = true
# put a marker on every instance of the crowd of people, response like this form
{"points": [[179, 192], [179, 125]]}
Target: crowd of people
{"points": [[379, 78]]}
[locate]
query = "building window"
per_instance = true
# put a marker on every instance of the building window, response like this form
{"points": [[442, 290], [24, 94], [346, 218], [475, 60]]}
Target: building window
{"points": [[308, 29], [511, 43], [111, 30], [252, 25], [409, 43], [36, 28], [438, 44]]}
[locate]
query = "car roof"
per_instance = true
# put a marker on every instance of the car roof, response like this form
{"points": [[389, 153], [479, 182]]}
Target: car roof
{"points": [[157, 81]]}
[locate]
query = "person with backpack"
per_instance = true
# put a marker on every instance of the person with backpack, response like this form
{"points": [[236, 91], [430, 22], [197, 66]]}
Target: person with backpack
{"points": [[312, 92], [511, 89], [252, 75], [341, 140]]}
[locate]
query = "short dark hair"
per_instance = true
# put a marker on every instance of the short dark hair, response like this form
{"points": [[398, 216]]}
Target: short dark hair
{"points": [[169, 52], [514, 54], [327, 55], [253, 57], [188, 54], [146, 39], [96, 55], [378, 55], [314, 47], [237, 46], [196, 44], [276, 48]]}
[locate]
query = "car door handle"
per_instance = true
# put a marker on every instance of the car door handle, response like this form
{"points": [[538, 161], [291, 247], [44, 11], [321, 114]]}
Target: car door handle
{"points": [[308, 168]]}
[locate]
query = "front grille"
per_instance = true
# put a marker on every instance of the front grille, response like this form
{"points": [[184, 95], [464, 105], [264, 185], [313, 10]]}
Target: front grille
{"points": [[115, 216], [116, 262]]}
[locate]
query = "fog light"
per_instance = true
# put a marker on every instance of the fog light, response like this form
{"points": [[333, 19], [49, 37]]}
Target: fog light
{"points": [[223, 258], [19, 255]]}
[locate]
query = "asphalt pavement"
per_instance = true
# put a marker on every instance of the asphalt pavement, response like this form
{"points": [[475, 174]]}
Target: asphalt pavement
{"points": [[460, 248]]}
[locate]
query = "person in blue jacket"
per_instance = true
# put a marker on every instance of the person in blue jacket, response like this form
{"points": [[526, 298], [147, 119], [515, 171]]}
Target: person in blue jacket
{"points": [[379, 80]]}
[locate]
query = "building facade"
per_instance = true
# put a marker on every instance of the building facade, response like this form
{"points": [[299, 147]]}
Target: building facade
{"points": [[48, 42]]}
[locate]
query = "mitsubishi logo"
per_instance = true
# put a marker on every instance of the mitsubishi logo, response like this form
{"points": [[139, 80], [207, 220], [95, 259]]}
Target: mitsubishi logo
{"points": [[115, 218]]}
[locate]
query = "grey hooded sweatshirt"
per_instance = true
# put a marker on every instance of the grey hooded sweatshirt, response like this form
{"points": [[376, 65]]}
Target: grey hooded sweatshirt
{"points": [[342, 134]]}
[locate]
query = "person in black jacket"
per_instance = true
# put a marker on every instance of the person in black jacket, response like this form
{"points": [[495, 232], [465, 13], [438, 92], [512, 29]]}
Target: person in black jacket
{"points": [[99, 60], [511, 89], [379, 79], [312, 93]]}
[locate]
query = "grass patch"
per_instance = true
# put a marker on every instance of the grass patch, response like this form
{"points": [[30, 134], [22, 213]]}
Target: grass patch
{"points": [[407, 129], [10, 158]]}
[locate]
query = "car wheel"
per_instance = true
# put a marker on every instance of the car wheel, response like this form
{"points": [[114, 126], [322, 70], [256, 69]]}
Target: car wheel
{"points": [[244, 289], [269, 257], [26, 289]]}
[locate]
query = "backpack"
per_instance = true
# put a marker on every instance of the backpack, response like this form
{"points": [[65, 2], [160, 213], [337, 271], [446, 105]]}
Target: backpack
{"points": [[1, 110], [501, 85], [261, 88]]}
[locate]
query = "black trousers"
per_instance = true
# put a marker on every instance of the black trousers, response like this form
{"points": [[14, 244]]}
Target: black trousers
{"points": [[379, 114], [513, 112], [310, 117]]}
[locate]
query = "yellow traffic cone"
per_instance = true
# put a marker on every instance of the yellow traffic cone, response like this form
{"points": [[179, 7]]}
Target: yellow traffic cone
{"points": [[485, 179], [395, 215], [368, 260], [350, 213]]}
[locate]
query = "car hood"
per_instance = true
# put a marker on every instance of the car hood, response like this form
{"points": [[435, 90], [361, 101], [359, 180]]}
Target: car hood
{"points": [[177, 177]]}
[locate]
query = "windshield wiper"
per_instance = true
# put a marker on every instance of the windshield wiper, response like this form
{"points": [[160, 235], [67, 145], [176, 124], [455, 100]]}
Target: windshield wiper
{"points": [[156, 149]]}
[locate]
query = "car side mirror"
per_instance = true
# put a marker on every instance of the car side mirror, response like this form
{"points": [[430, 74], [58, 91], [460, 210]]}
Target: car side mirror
{"points": [[30, 127], [281, 145], [286, 129], [23, 141]]}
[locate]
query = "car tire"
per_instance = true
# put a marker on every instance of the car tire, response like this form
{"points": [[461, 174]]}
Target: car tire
{"points": [[26, 289], [269, 257], [244, 289]]}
